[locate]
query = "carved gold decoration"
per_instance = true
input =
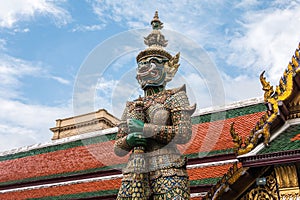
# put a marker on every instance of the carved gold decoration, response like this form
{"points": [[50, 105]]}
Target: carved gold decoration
{"points": [[291, 195], [237, 140], [282, 92], [267, 192], [286, 176], [233, 174], [295, 62], [266, 87], [287, 181], [260, 129], [297, 54], [171, 67], [294, 107], [282, 85]]}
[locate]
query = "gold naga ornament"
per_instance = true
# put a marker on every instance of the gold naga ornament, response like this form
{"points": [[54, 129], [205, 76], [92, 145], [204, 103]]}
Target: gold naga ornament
{"points": [[273, 99]]}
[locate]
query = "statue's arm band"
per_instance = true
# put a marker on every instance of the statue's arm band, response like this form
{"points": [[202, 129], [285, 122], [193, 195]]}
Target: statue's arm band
{"points": [[121, 147]]}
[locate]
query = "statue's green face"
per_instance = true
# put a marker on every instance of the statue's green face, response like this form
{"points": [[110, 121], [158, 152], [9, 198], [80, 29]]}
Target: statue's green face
{"points": [[151, 72]]}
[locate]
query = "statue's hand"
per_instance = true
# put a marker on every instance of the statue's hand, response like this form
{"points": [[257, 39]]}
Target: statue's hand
{"points": [[136, 139], [135, 125]]}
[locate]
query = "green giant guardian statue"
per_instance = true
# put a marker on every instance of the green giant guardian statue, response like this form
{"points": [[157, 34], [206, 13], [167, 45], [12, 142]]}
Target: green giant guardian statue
{"points": [[152, 126]]}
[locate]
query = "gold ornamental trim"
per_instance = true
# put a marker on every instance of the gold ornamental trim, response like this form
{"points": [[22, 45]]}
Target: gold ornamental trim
{"points": [[273, 99], [233, 174], [268, 191]]}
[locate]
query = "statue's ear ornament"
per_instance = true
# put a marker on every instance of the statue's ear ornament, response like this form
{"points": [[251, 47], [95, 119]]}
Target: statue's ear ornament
{"points": [[171, 67]]}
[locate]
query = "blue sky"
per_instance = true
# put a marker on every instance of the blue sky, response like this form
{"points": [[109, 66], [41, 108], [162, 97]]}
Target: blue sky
{"points": [[44, 44]]}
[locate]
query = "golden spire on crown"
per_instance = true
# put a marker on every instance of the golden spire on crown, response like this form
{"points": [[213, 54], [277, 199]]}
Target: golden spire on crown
{"points": [[155, 41]]}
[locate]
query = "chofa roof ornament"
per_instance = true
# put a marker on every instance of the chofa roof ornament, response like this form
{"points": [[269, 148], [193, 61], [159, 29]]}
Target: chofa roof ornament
{"points": [[280, 106]]}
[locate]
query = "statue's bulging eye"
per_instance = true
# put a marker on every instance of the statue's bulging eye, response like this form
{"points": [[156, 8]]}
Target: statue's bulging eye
{"points": [[143, 63]]}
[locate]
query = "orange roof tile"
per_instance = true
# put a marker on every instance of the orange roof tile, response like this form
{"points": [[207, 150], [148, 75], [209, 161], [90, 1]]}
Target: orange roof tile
{"points": [[215, 135]]}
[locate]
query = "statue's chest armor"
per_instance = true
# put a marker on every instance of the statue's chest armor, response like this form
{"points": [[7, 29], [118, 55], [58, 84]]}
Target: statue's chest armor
{"points": [[157, 114]]}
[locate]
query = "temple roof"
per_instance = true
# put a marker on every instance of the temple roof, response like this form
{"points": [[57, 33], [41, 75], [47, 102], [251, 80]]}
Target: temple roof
{"points": [[91, 155], [275, 138]]}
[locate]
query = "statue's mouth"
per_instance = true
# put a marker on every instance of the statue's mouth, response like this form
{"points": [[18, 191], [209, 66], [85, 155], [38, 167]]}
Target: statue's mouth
{"points": [[144, 71]]}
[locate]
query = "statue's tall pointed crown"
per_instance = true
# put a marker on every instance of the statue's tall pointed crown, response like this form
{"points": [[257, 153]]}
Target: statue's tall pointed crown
{"points": [[155, 41]]}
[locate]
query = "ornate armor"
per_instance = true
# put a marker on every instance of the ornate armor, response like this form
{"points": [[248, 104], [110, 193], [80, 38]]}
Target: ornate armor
{"points": [[167, 123]]}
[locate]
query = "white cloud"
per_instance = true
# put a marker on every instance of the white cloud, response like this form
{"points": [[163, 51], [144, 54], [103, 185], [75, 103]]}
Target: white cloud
{"points": [[246, 4], [241, 87], [258, 36], [11, 70], [2, 44], [268, 41], [61, 80], [25, 124], [21, 123], [18, 30], [84, 28], [105, 86], [113, 94], [13, 11], [119, 10], [234, 89], [138, 14]]}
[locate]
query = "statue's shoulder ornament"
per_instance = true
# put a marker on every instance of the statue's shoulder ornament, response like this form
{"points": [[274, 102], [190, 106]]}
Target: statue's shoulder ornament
{"points": [[173, 99], [178, 101]]}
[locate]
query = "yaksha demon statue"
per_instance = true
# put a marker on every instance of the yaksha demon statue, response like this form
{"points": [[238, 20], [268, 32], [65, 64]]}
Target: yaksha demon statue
{"points": [[152, 126]]}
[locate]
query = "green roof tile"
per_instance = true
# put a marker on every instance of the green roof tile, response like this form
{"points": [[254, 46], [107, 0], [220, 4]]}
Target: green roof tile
{"points": [[284, 141], [79, 196], [210, 153], [205, 181], [232, 113]]}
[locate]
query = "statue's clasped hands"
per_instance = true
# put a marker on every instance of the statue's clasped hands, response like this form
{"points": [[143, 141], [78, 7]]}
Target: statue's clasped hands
{"points": [[135, 137], [135, 125]]}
